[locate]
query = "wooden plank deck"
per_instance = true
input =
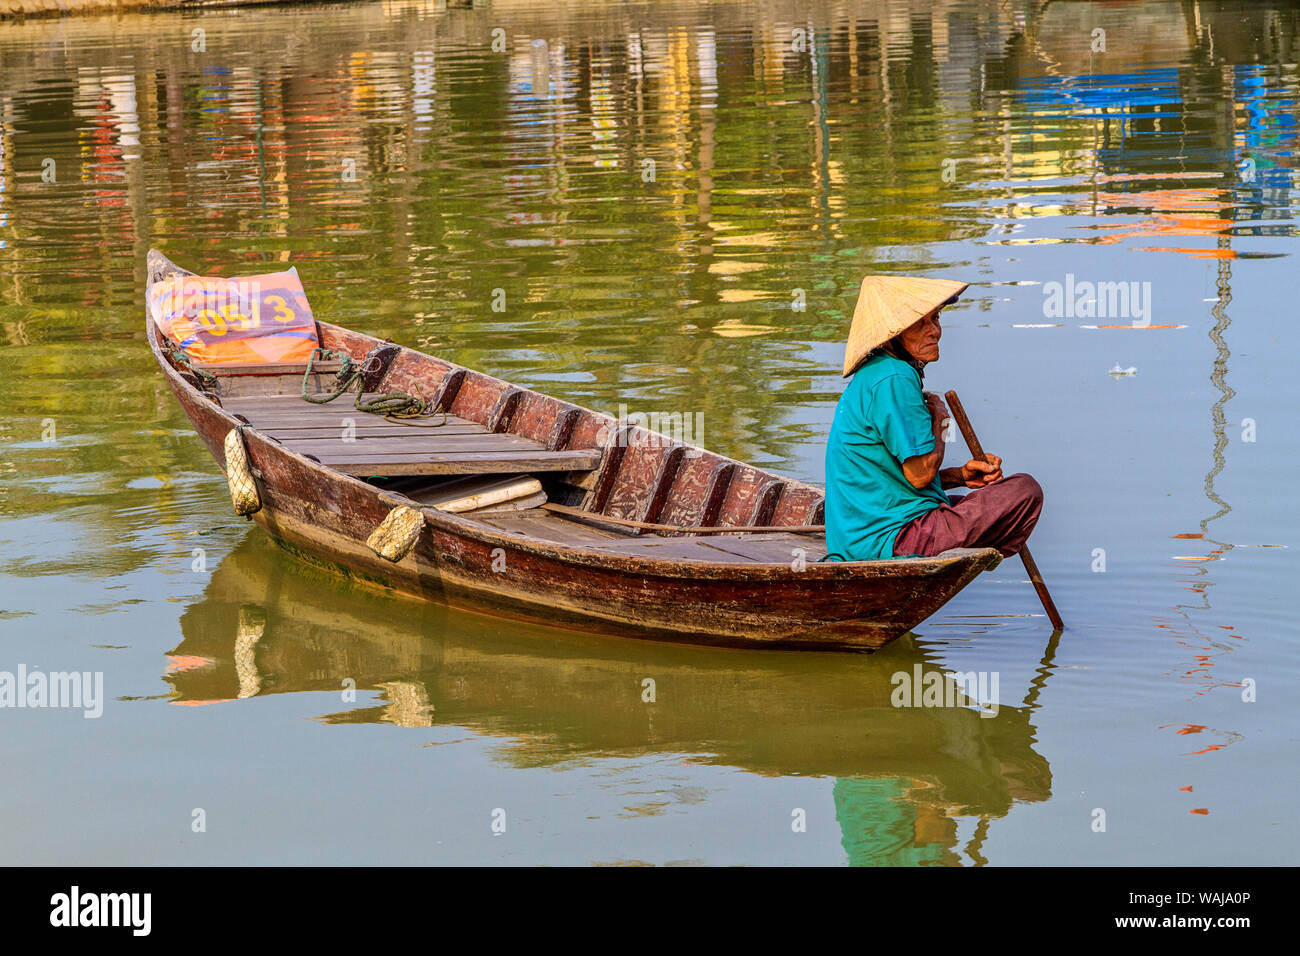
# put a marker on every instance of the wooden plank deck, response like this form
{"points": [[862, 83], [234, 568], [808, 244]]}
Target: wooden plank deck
{"points": [[448, 445], [363, 444]]}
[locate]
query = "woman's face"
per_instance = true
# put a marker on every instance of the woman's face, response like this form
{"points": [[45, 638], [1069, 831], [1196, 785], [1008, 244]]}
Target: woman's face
{"points": [[922, 338]]}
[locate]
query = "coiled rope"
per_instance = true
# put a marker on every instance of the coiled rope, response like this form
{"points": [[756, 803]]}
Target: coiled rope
{"points": [[390, 404]]}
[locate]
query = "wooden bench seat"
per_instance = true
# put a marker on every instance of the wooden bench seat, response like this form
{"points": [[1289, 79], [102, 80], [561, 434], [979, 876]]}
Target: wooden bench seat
{"points": [[363, 444]]}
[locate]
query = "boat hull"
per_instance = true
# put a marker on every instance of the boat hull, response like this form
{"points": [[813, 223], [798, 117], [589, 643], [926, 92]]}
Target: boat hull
{"points": [[853, 605]]}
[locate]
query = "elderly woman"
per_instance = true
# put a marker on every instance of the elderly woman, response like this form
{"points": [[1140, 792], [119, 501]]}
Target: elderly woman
{"points": [[885, 478]]}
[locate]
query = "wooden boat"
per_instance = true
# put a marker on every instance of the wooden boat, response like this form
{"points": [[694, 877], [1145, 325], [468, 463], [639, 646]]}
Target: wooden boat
{"points": [[575, 560]]}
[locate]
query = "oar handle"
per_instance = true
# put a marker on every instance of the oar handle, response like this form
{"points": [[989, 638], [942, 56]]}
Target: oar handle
{"points": [[977, 452], [959, 416]]}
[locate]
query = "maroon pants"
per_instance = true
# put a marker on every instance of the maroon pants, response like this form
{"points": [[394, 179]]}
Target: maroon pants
{"points": [[998, 516]]}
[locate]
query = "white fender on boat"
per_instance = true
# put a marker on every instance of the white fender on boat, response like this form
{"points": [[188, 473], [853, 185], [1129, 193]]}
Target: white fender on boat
{"points": [[396, 534], [239, 476]]}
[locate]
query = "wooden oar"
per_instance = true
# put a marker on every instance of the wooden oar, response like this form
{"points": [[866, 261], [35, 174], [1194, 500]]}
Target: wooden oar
{"points": [[977, 452]]}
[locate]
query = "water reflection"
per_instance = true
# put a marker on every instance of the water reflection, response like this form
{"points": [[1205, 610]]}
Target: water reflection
{"points": [[676, 205], [269, 624], [631, 183], [1188, 628]]}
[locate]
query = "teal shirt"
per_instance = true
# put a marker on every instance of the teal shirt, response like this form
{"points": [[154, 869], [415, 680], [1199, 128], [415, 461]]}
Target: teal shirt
{"points": [[881, 421]]}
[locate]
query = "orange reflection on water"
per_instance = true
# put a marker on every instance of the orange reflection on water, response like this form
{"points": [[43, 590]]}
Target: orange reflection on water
{"points": [[182, 662], [199, 703], [1197, 253], [1205, 205]]}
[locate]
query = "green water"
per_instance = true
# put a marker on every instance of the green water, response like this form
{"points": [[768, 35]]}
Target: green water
{"points": [[671, 206]]}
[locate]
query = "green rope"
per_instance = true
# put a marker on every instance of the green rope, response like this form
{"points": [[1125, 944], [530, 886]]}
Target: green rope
{"points": [[394, 404], [390, 405], [345, 376], [178, 355]]}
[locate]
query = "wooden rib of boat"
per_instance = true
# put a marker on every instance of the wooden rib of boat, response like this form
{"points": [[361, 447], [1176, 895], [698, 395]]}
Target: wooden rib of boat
{"points": [[315, 468]]}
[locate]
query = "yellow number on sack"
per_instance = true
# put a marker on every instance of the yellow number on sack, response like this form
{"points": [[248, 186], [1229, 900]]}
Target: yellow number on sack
{"points": [[233, 314], [282, 311], [213, 321]]}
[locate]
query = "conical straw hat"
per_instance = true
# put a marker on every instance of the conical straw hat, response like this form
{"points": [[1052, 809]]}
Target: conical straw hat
{"points": [[889, 304]]}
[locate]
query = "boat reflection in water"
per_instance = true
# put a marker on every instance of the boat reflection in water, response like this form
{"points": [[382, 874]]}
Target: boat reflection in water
{"points": [[270, 623]]}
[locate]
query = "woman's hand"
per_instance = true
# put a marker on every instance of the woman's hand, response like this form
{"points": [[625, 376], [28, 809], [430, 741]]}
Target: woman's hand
{"points": [[978, 474], [938, 410]]}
